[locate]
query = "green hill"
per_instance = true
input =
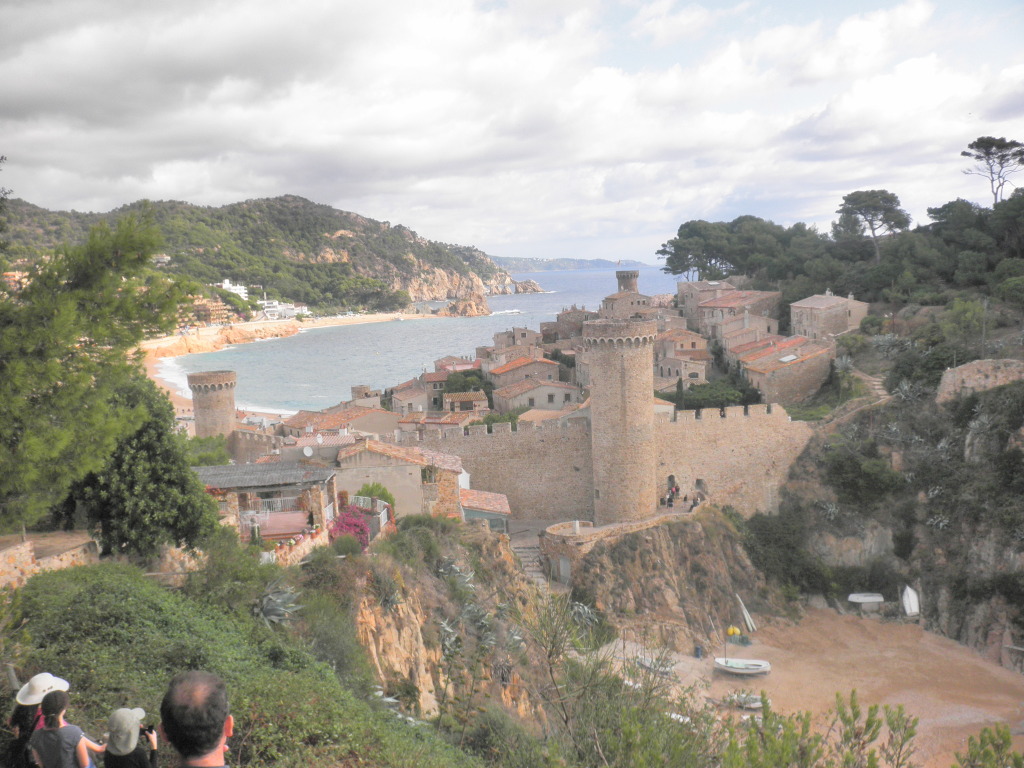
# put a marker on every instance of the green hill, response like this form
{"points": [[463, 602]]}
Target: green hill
{"points": [[293, 249]]}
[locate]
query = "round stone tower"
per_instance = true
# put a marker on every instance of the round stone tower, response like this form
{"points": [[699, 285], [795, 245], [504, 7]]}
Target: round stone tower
{"points": [[213, 401], [620, 354], [627, 280]]}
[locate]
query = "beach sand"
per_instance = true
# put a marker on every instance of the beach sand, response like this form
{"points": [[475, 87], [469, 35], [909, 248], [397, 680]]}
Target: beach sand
{"points": [[212, 338], [952, 689]]}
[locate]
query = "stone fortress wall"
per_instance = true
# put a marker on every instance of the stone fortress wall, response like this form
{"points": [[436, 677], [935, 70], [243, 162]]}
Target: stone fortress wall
{"points": [[978, 376], [547, 470]]}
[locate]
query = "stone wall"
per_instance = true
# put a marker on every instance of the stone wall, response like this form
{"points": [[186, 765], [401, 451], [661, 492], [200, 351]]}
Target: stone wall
{"points": [[739, 458], [977, 377], [18, 563], [544, 470]]}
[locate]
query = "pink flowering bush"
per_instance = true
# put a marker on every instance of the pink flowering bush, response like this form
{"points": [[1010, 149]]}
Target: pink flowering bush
{"points": [[350, 521]]}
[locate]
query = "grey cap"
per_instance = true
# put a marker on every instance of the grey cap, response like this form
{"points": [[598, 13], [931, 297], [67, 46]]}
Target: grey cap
{"points": [[123, 728]]}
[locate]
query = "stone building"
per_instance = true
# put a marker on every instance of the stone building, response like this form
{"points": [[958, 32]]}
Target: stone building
{"points": [[690, 295], [523, 368], [213, 402], [729, 308], [824, 315], [790, 371], [517, 337], [473, 402], [355, 419], [568, 324], [535, 393]]}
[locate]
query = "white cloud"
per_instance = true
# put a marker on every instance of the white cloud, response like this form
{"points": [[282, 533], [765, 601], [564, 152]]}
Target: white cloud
{"points": [[520, 127]]}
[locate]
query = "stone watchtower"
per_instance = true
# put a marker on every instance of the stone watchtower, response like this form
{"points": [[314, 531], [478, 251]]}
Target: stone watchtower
{"points": [[213, 401], [620, 354], [627, 280]]}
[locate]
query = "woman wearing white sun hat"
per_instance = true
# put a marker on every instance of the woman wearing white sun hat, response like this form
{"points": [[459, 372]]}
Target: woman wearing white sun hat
{"points": [[27, 716]]}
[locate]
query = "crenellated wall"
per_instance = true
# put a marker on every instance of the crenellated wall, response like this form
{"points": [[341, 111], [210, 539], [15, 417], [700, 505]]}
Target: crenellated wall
{"points": [[740, 458]]}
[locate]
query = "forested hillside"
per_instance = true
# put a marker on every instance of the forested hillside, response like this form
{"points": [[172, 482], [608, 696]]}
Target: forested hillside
{"points": [[295, 249]]}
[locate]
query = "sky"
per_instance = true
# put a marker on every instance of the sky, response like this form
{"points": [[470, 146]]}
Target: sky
{"points": [[531, 128]]}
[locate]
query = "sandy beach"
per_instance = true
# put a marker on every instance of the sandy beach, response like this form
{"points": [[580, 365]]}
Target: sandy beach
{"points": [[212, 338], [952, 689]]}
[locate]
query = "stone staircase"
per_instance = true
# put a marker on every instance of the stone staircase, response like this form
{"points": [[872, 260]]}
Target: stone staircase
{"points": [[529, 556]]}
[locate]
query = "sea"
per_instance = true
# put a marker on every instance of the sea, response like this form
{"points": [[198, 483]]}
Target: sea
{"points": [[317, 368]]}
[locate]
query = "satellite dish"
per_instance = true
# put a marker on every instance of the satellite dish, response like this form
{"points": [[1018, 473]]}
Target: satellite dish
{"points": [[319, 439], [307, 451]]}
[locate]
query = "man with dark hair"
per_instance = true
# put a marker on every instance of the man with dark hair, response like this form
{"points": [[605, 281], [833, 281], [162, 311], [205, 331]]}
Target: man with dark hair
{"points": [[195, 718]]}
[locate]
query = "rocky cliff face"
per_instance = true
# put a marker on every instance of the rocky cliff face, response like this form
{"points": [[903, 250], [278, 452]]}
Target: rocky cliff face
{"points": [[677, 581]]}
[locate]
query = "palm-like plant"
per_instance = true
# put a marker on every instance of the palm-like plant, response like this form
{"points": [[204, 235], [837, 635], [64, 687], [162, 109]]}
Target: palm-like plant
{"points": [[277, 604]]}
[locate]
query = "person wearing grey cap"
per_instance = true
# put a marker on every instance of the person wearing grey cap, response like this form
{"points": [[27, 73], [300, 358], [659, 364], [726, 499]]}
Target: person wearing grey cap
{"points": [[125, 747]]}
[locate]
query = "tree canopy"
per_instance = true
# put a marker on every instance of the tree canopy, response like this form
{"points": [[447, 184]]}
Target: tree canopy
{"points": [[996, 160], [65, 342], [878, 210], [146, 494]]}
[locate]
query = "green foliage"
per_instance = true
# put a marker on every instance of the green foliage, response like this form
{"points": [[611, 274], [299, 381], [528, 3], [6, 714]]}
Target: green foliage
{"points": [[718, 394], [470, 381], [777, 545], [878, 210], [420, 540], [512, 417], [996, 160], [229, 577], [330, 628], [208, 451], [347, 545], [147, 495], [64, 343], [503, 741], [376, 491], [992, 748], [131, 636], [858, 473], [277, 605]]}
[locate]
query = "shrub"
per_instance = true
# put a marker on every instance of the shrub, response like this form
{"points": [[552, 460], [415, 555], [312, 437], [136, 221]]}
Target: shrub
{"points": [[350, 522], [347, 544]]}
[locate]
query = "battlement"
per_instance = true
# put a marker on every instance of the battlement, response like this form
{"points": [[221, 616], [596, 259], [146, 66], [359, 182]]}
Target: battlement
{"points": [[212, 381], [619, 334], [552, 426]]}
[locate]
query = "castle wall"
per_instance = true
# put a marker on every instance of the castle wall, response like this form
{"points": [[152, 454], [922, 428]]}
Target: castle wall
{"points": [[739, 459], [545, 470], [977, 377]]}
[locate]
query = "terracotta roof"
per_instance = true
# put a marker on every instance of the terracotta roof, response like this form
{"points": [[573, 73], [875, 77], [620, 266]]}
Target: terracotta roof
{"points": [[328, 439], [819, 301], [407, 384], [624, 294], [412, 455], [270, 458], [465, 397], [410, 392], [765, 341], [519, 362], [451, 360], [521, 387], [431, 376], [679, 334], [799, 355], [329, 421], [485, 501], [710, 285], [738, 299], [786, 344]]}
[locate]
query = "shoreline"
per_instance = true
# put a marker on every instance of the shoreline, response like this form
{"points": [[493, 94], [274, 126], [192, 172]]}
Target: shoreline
{"points": [[213, 338]]}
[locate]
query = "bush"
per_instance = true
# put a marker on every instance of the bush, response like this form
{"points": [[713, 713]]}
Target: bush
{"points": [[350, 521], [231, 576], [347, 544], [330, 629]]}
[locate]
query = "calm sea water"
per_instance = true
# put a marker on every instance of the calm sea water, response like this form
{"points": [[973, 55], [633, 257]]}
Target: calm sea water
{"points": [[318, 367]]}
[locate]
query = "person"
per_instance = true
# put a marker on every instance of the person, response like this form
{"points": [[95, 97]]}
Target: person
{"points": [[59, 744], [195, 719], [27, 717], [124, 747]]}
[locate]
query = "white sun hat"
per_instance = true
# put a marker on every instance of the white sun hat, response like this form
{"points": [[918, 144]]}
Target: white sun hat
{"points": [[33, 691]]}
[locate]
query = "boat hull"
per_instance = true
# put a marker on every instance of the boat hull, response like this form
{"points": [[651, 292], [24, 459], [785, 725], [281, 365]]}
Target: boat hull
{"points": [[743, 666]]}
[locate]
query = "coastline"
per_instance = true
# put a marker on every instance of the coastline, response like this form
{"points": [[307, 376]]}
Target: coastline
{"points": [[213, 338]]}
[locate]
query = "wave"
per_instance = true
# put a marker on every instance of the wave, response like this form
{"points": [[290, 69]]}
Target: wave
{"points": [[508, 312]]}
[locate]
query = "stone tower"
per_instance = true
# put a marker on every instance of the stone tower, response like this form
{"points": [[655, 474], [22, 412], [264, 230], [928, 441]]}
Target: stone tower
{"points": [[620, 354], [627, 280], [213, 401]]}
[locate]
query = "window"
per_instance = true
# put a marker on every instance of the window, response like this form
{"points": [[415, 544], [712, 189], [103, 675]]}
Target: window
{"points": [[693, 345], [530, 402], [694, 375], [551, 397], [568, 397], [549, 377]]}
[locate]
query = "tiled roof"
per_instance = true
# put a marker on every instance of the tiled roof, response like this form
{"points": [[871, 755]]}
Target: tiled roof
{"points": [[766, 341], [412, 455], [786, 344], [819, 301], [711, 285], [679, 334], [485, 501], [738, 299], [329, 421], [270, 458], [261, 475], [407, 393], [526, 385], [801, 354], [465, 397], [624, 294], [519, 362], [432, 376], [451, 360], [328, 439]]}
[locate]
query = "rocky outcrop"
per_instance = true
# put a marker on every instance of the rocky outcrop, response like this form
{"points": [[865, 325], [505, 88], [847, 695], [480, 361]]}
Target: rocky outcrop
{"points": [[860, 549], [978, 376], [473, 306], [528, 286], [677, 580]]}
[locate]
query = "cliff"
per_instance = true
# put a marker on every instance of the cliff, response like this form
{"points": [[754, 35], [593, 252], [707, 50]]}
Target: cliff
{"points": [[675, 583]]}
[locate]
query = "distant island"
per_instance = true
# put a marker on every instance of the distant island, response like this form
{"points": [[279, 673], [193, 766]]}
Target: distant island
{"points": [[516, 264]]}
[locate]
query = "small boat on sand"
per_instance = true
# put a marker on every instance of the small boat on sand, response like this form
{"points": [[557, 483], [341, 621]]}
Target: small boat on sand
{"points": [[743, 666]]}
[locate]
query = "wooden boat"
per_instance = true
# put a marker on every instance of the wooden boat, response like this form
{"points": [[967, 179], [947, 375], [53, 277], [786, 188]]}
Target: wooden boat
{"points": [[743, 666]]}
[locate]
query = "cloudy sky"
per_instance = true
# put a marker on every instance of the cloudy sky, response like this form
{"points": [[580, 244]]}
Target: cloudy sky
{"points": [[527, 128]]}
